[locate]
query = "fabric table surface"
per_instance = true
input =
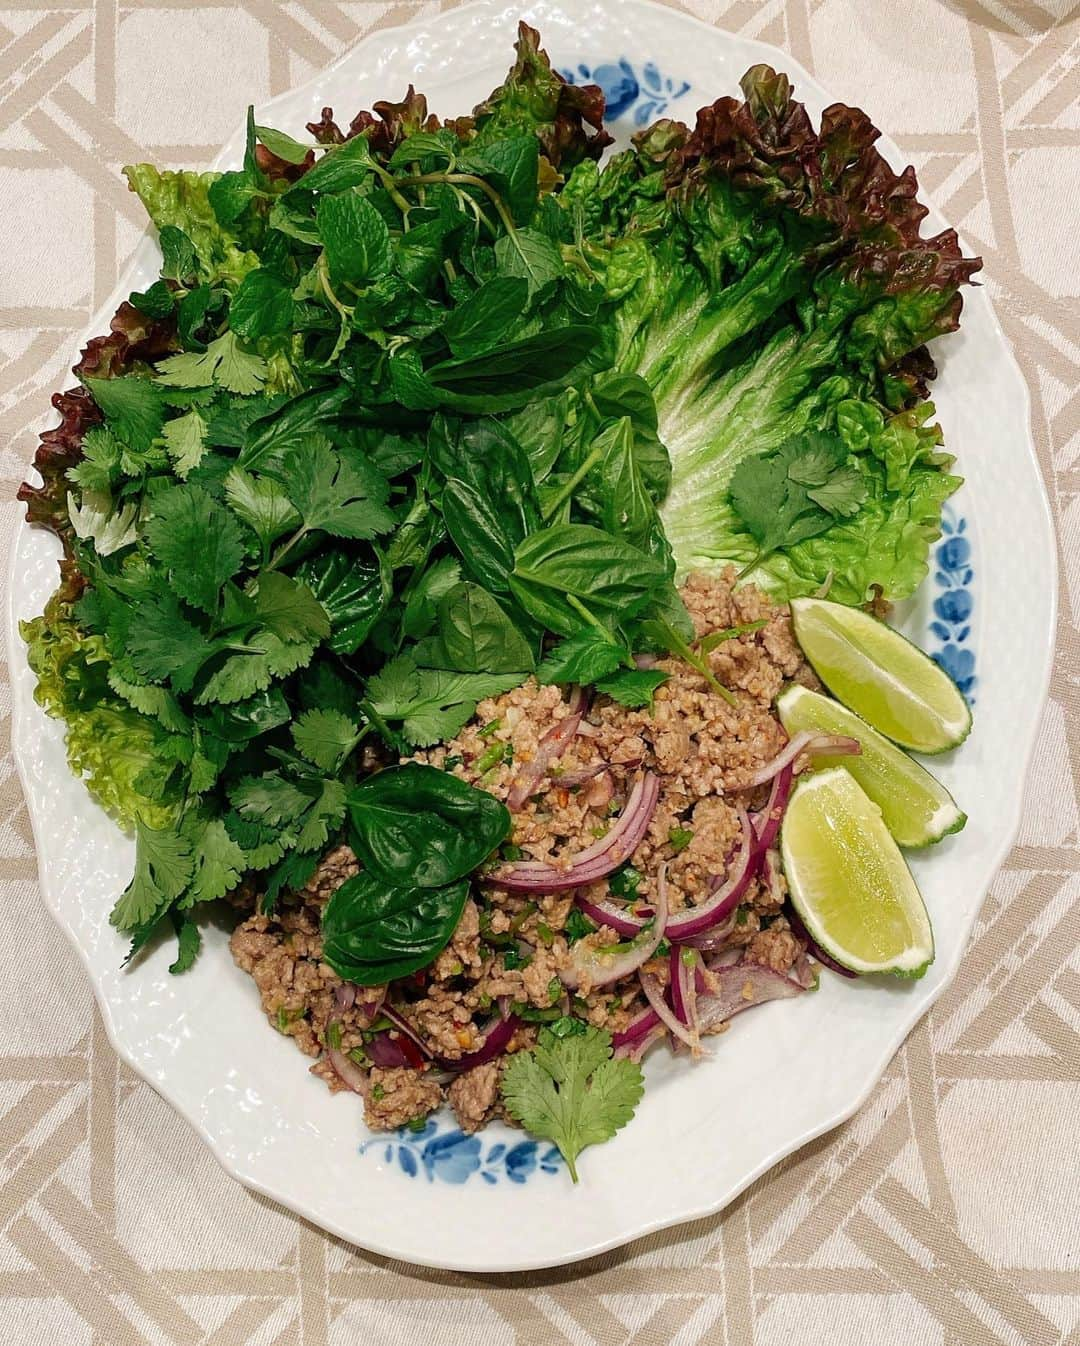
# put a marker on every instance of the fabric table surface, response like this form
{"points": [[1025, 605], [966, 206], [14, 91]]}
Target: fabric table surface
{"points": [[946, 1213]]}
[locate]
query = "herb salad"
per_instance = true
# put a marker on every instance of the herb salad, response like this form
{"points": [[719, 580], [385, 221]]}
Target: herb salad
{"points": [[429, 409]]}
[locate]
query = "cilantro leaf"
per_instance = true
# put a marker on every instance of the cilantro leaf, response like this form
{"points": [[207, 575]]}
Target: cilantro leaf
{"points": [[431, 703], [261, 503], [793, 494], [219, 862], [198, 541], [273, 800], [571, 1091], [188, 943], [161, 643], [324, 737], [223, 362], [163, 869], [185, 441], [289, 609], [253, 667], [342, 496]]}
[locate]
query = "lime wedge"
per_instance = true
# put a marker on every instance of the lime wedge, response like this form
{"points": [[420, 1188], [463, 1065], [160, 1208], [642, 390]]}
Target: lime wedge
{"points": [[917, 809], [848, 880], [882, 676]]}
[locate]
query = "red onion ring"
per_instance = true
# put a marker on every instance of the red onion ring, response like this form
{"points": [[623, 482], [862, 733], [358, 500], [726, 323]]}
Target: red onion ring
{"points": [[639, 951], [550, 748], [402, 1024], [596, 861], [494, 1044], [349, 1072], [636, 1029], [731, 997], [770, 818], [807, 741], [700, 920], [635, 1051], [615, 918], [655, 996]]}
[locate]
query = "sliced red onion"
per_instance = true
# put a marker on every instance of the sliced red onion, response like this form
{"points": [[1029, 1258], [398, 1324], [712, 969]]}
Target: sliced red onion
{"points": [[389, 1053], [369, 1001], [596, 861], [494, 1044], [714, 939], [725, 958], [741, 988], [813, 948], [349, 1072], [769, 820], [581, 776], [615, 918], [802, 971], [807, 741], [550, 748], [654, 994], [402, 1024], [771, 873], [635, 1051], [701, 920], [642, 1023], [603, 967], [678, 986], [344, 995]]}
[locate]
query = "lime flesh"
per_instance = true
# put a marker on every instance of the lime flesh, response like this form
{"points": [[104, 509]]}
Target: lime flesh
{"points": [[917, 809], [848, 880], [883, 677]]}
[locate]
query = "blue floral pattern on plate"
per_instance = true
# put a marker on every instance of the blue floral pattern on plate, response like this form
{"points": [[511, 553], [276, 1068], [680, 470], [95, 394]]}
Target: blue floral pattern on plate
{"points": [[625, 86], [452, 1156], [953, 575]]}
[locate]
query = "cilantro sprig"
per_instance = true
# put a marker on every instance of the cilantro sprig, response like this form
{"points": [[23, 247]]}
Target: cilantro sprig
{"points": [[571, 1090]]}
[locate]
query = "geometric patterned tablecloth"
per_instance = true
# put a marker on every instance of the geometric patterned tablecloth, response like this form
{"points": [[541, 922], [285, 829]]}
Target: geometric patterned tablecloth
{"points": [[947, 1212]]}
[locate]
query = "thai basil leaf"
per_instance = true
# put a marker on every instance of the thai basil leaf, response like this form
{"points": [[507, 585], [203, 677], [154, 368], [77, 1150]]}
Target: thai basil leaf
{"points": [[374, 932], [474, 635], [476, 530], [417, 825], [354, 590]]}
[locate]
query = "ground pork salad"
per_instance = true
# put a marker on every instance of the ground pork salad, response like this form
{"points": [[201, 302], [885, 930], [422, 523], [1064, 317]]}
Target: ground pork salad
{"points": [[472, 562]]}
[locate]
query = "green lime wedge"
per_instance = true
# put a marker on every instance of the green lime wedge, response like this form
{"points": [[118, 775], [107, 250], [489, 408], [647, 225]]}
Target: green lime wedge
{"points": [[917, 809], [882, 676], [848, 880]]}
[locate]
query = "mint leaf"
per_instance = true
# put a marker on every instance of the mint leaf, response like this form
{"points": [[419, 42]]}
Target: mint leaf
{"points": [[585, 657], [341, 167], [177, 254], [355, 238], [284, 146], [261, 307], [632, 687]]}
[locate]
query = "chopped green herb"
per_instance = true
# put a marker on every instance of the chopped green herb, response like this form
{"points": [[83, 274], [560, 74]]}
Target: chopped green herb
{"points": [[577, 926], [742, 916], [625, 882], [662, 949], [333, 1035], [488, 729], [689, 957], [416, 1123], [554, 990], [492, 756], [514, 960], [509, 851], [378, 1093], [545, 934], [451, 762], [679, 838]]}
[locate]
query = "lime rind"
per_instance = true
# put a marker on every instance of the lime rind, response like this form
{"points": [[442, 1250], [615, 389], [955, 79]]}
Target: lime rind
{"points": [[938, 717], [824, 865], [903, 789]]}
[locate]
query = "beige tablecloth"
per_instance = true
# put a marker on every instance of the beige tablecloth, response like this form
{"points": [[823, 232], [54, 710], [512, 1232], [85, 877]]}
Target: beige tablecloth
{"points": [[947, 1211]]}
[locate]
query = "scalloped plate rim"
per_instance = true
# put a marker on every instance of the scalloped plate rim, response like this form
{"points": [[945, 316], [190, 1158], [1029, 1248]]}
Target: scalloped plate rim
{"points": [[23, 717]]}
